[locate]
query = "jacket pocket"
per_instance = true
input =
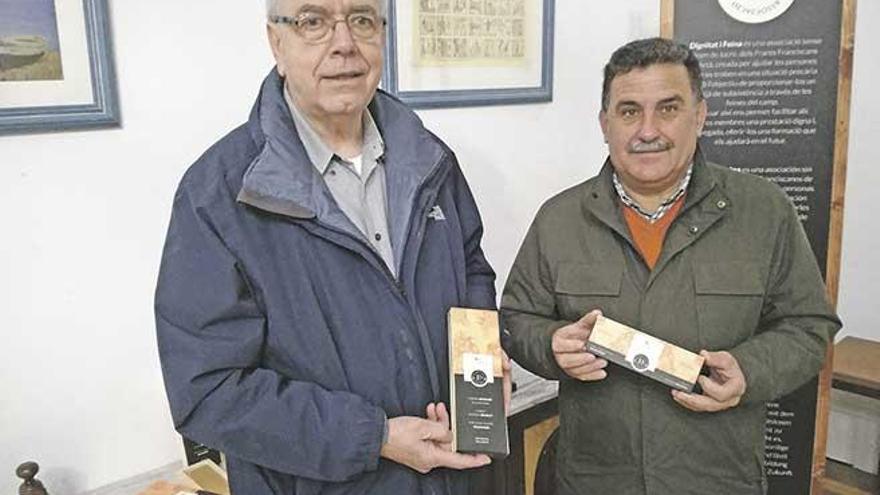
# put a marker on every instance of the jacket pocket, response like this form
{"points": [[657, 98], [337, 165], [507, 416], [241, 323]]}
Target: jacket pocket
{"points": [[580, 288], [729, 298]]}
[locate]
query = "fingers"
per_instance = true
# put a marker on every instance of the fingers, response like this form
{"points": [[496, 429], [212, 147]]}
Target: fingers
{"points": [[589, 319], [700, 403], [565, 341], [443, 415], [445, 455], [718, 360], [437, 413], [583, 366], [438, 440], [455, 460], [569, 349], [573, 337], [726, 380], [594, 376], [569, 345], [716, 395], [589, 372], [569, 361], [439, 457], [722, 389], [423, 444], [435, 431], [713, 388], [721, 392]]}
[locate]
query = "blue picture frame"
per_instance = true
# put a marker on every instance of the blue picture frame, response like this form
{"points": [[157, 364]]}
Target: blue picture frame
{"points": [[103, 111], [471, 97]]}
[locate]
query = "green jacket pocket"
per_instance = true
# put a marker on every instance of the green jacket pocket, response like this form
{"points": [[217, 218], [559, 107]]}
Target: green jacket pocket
{"points": [[729, 297], [580, 288]]}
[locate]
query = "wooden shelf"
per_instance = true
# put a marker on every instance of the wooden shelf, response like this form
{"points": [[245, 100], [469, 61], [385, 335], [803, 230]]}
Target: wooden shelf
{"points": [[857, 366], [841, 479]]}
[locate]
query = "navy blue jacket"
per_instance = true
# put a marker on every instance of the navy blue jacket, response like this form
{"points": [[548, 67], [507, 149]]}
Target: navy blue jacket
{"points": [[284, 339]]}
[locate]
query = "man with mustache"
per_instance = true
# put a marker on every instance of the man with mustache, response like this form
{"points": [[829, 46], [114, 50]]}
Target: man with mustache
{"points": [[310, 262], [712, 260]]}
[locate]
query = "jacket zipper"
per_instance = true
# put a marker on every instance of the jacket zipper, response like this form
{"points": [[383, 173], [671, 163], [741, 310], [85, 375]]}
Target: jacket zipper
{"points": [[398, 283], [420, 211]]}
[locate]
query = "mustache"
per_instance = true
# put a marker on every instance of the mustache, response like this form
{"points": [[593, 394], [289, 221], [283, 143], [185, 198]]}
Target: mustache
{"points": [[649, 146]]}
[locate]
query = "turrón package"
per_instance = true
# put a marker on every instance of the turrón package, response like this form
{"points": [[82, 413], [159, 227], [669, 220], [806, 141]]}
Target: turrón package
{"points": [[476, 383], [645, 354]]}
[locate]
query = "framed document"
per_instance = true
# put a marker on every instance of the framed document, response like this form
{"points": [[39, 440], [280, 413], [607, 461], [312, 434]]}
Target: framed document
{"points": [[56, 69], [452, 53]]}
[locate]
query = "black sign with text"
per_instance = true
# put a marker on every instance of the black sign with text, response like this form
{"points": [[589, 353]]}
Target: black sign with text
{"points": [[770, 77]]}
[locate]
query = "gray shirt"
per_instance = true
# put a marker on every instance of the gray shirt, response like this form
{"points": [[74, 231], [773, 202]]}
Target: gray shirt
{"points": [[360, 196]]}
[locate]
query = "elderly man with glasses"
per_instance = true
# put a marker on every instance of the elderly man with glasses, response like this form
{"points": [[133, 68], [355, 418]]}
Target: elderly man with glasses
{"points": [[310, 261]]}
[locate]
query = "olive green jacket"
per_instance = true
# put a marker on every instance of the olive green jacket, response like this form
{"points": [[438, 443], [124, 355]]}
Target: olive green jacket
{"points": [[735, 273]]}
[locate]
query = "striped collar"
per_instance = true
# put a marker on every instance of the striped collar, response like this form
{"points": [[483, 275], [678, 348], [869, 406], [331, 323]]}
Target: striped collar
{"points": [[664, 206]]}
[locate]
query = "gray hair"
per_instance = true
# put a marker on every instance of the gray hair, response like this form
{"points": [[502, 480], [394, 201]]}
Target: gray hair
{"points": [[272, 7], [647, 52]]}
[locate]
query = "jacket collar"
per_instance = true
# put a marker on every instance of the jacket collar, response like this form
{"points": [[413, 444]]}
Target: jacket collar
{"points": [[320, 154], [703, 181], [705, 204], [602, 200], [282, 180]]}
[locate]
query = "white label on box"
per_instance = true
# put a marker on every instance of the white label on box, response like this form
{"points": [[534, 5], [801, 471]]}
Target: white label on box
{"points": [[478, 369], [644, 352]]}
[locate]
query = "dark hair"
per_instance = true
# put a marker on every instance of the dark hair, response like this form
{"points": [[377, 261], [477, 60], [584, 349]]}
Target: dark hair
{"points": [[647, 52]]}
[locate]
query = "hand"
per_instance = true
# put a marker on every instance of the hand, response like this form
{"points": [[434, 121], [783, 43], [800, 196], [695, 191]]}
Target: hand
{"points": [[722, 389], [508, 381], [439, 414], [425, 444], [570, 350]]}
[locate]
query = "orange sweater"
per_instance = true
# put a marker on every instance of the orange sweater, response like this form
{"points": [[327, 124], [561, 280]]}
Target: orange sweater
{"points": [[649, 236]]}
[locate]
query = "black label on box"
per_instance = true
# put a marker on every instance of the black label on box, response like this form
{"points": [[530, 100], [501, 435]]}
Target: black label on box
{"points": [[480, 424]]}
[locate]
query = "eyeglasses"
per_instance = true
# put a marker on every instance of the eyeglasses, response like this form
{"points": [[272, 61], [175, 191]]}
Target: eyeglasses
{"points": [[316, 27]]}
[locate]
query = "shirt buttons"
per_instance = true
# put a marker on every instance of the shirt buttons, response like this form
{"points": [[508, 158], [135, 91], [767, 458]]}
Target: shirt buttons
{"points": [[693, 230], [721, 204], [378, 236]]}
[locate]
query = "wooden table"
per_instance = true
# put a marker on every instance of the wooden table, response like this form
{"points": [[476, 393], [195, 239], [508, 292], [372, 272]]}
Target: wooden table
{"points": [[857, 367], [856, 370]]}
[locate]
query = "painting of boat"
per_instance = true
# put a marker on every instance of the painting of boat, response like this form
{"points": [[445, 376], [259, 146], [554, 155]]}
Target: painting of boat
{"points": [[30, 48], [18, 51]]}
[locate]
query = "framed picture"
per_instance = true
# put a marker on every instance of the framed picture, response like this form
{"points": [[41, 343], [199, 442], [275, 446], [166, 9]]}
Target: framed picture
{"points": [[56, 66], [453, 53]]}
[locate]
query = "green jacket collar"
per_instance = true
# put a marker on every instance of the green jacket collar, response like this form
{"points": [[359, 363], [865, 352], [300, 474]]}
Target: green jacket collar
{"points": [[705, 204]]}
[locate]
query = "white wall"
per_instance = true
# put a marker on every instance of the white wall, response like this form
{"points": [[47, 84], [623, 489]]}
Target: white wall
{"points": [[83, 218], [515, 157], [854, 424], [860, 268], [84, 215]]}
